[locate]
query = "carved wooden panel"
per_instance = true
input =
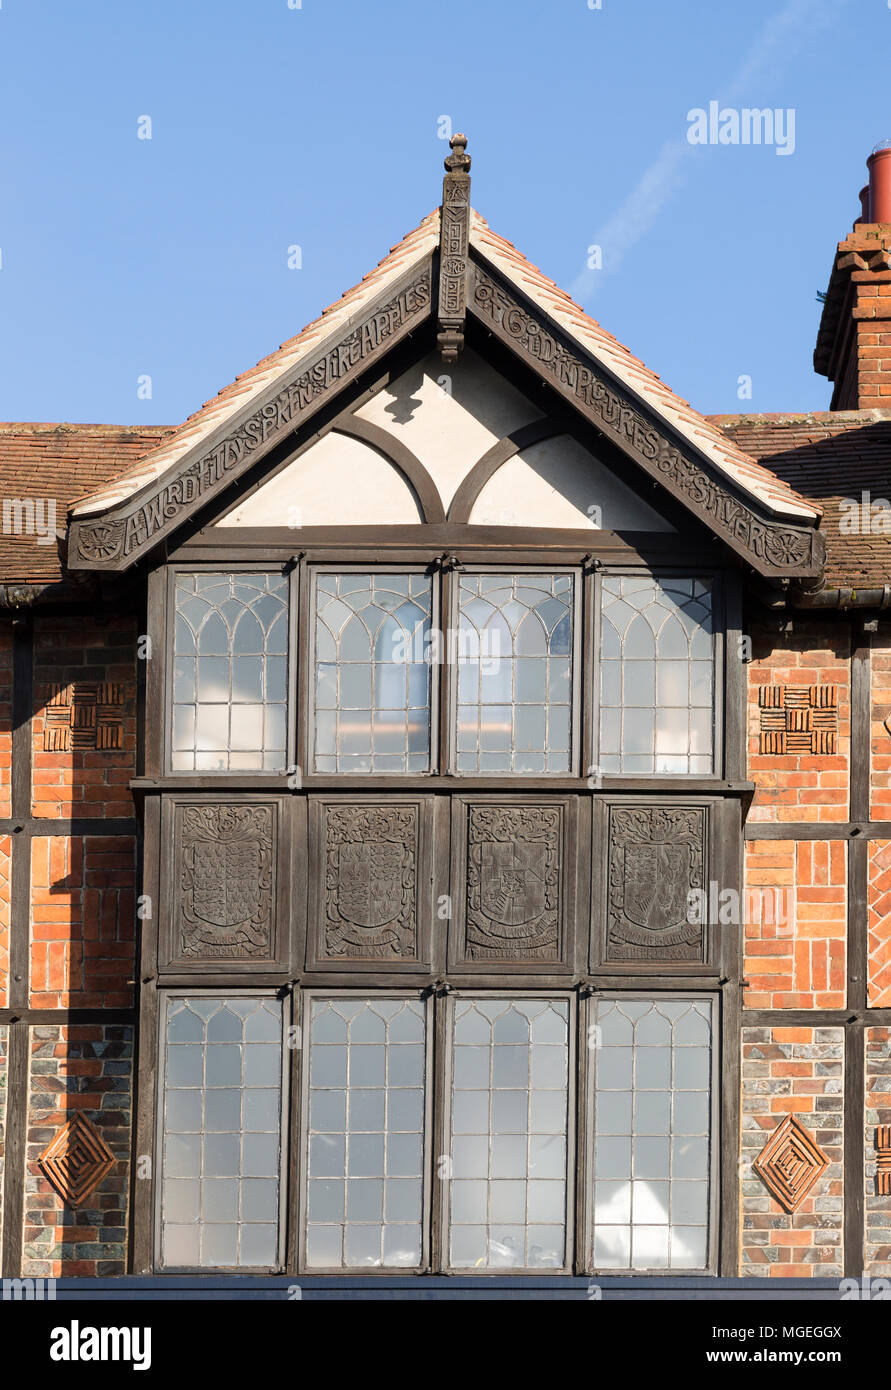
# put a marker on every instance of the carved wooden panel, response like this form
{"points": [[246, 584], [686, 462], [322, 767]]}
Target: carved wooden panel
{"points": [[511, 883], [655, 855], [224, 885], [370, 883]]}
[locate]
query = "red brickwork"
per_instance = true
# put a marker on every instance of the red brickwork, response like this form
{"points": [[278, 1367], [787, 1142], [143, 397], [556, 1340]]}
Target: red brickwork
{"points": [[82, 921], [795, 959], [878, 1112], [85, 1068], [84, 725], [879, 940], [800, 1072], [5, 717], [880, 672], [800, 782]]}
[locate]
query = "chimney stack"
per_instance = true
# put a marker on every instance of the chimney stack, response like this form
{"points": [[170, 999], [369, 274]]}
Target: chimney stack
{"points": [[854, 339]]}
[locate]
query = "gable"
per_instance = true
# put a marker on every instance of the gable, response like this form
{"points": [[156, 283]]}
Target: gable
{"points": [[483, 279]]}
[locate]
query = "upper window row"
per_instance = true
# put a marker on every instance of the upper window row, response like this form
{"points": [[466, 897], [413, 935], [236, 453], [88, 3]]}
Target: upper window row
{"points": [[511, 648]]}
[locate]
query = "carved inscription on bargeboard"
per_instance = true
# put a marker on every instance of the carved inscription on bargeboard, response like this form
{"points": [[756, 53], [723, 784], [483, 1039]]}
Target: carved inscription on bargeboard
{"points": [[226, 881], [656, 856], [514, 883], [371, 857]]}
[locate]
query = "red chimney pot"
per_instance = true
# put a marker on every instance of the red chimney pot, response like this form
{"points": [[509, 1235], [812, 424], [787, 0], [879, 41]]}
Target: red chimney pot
{"points": [[879, 165]]}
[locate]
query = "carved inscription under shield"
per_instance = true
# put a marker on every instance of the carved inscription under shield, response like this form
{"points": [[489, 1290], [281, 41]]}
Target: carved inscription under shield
{"points": [[370, 882], [656, 857], [514, 879], [227, 873]]}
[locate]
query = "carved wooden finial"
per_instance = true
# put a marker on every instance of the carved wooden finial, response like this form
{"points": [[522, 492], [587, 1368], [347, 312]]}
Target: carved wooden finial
{"points": [[453, 241], [458, 162]]}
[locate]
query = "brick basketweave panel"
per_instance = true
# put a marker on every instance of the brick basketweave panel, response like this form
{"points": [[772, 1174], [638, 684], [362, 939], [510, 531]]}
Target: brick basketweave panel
{"points": [[786, 680], [5, 883], [794, 929], [879, 938], [878, 1112], [880, 677], [82, 921], [86, 1068], [84, 724], [800, 1072]]}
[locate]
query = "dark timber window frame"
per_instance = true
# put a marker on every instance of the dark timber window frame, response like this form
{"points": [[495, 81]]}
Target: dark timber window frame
{"points": [[298, 971]]}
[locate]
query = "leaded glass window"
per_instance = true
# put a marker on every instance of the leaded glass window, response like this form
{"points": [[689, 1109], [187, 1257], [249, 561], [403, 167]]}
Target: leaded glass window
{"points": [[230, 675], [221, 1124], [372, 673], [366, 1130], [515, 660], [657, 675], [509, 1129], [652, 1067]]}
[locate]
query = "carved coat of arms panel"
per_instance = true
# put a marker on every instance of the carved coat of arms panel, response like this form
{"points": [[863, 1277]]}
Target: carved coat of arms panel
{"points": [[514, 889], [367, 864], [224, 883], [656, 856]]}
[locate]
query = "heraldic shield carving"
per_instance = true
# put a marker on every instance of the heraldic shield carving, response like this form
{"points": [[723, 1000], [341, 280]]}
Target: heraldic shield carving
{"points": [[514, 871], [370, 873], [656, 856], [226, 881]]}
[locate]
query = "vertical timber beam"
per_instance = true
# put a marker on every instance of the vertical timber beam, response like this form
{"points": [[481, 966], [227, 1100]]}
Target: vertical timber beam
{"points": [[19, 951], [454, 235], [858, 878]]}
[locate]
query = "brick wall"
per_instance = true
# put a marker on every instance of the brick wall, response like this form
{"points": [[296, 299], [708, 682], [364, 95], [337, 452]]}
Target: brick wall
{"points": [[880, 675], [796, 785], [5, 718], [798, 1071], [879, 939], [82, 921], [84, 725], [87, 1068], [878, 1112], [795, 959]]}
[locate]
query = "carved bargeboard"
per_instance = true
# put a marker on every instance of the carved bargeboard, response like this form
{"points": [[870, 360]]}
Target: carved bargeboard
{"points": [[514, 883], [656, 856], [225, 882], [370, 898]]}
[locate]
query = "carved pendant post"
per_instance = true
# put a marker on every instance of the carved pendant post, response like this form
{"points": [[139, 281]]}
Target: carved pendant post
{"points": [[453, 242]]}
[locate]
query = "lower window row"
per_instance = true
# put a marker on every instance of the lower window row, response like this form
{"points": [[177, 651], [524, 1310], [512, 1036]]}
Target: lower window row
{"points": [[522, 1143]]}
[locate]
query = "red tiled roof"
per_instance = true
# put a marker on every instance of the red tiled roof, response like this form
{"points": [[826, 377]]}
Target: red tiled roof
{"points": [[59, 462], [828, 456]]}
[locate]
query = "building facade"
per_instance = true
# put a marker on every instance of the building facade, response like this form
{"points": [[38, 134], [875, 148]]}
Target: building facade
{"points": [[446, 804]]}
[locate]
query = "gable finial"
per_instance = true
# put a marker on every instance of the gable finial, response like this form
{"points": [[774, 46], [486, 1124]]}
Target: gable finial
{"points": [[454, 233]]}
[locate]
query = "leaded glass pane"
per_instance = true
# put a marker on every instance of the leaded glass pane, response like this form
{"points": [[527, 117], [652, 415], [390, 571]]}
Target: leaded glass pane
{"points": [[515, 640], [365, 1184], [221, 1133], [507, 1192], [657, 675], [230, 664], [652, 1133], [372, 673]]}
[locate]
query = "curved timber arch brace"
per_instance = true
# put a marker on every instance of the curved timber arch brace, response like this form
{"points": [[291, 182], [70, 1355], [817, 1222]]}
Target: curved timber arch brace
{"points": [[486, 467], [402, 459]]}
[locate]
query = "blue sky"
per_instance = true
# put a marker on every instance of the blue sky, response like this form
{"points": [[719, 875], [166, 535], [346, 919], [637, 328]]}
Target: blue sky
{"points": [[318, 126]]}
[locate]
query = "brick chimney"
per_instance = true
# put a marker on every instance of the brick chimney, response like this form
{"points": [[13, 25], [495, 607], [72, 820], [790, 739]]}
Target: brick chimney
{"points": [[854, 339]]}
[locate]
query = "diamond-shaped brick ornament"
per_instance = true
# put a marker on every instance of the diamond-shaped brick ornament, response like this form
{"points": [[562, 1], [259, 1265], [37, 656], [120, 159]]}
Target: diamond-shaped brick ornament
{"points": [[76, 1160], [790, 1163]]}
